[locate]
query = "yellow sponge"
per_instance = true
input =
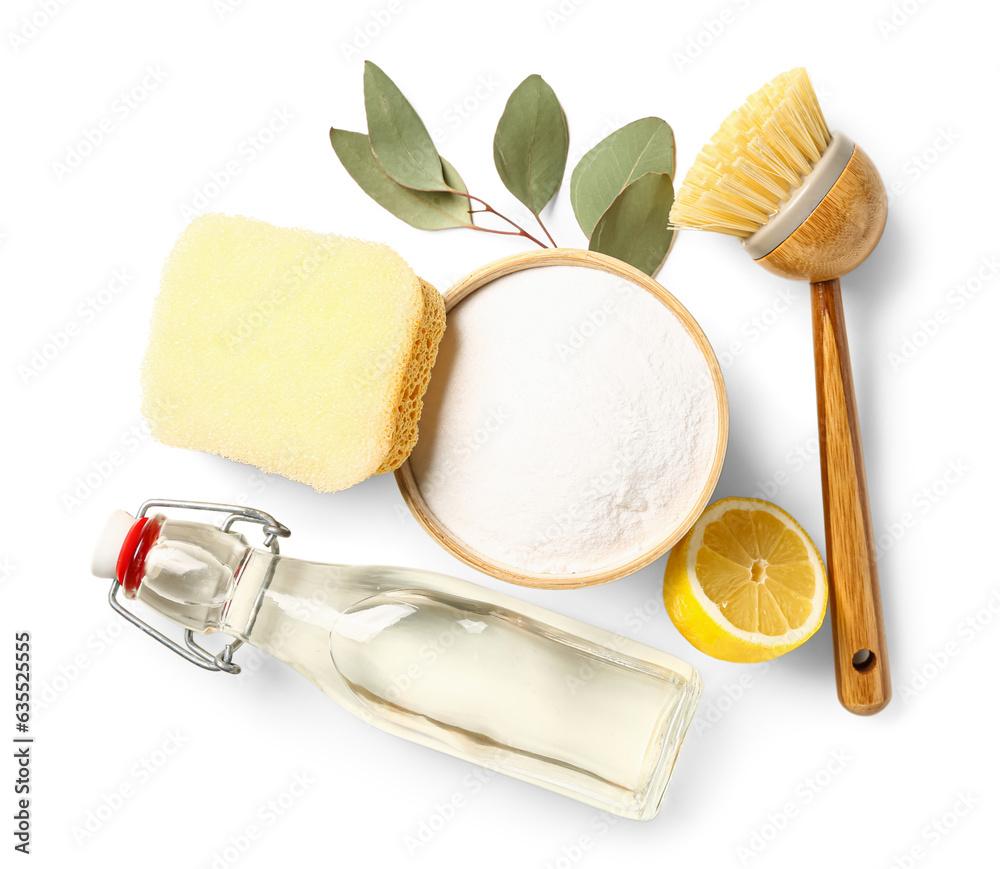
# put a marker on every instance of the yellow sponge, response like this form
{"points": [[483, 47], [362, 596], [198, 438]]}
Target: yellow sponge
{"points": [[306, 355]]}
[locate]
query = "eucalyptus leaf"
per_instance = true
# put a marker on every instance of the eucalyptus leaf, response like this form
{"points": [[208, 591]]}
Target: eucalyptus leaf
{"points": [[646, 145], [419, 208], [531, 143], [399, 139], [634, 228], [455, 182]]}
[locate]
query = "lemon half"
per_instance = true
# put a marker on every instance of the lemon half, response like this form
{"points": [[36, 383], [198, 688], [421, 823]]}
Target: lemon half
{"points": [[746, 583]]}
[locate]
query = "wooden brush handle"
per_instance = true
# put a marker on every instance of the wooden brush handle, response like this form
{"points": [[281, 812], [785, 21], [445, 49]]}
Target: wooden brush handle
{"points": [[855, 604]]}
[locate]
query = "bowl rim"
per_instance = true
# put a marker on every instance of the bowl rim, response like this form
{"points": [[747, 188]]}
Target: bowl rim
{"points": [[410, 489]]}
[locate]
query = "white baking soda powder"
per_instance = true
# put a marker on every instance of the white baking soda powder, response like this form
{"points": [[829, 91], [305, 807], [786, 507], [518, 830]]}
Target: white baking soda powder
{"points": [[571, 423]]}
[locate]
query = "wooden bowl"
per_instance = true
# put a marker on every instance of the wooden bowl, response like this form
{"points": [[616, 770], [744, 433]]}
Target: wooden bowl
{"points": [[410, 489]]}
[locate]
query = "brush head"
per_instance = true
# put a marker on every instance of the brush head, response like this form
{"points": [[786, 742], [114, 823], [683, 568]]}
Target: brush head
{"points": [[806, 202]]}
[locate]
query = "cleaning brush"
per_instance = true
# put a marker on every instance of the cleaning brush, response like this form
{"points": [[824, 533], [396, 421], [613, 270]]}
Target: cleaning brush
{"points": [[810, 205]]}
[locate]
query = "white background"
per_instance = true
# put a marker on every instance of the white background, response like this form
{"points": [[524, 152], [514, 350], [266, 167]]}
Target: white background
{"points": [[225, 105]]}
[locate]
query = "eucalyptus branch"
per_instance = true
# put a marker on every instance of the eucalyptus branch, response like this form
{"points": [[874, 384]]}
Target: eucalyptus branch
{"points": [[489, 209], [513, 232]]}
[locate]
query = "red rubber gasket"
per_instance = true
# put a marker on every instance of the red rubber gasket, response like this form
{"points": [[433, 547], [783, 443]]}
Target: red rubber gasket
{"points": [[136, 567], [129, 544]]}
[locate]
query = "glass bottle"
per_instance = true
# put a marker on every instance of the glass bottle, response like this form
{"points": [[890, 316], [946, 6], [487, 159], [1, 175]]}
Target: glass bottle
{"points": [[437, 660]]}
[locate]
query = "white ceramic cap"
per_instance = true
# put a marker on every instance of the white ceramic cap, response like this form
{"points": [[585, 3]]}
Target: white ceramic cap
{"points": [[109, 544]]}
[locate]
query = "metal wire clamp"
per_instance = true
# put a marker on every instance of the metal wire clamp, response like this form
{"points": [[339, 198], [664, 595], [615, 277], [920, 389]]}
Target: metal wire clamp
{"points": [[191, 651]]}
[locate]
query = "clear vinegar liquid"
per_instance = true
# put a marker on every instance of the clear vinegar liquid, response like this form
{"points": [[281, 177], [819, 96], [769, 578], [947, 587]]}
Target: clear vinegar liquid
{"points": [[478, 675]]}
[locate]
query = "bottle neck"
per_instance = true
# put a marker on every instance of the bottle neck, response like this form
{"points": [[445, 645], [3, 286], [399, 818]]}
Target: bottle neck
{"points": [[189, 571], [208, 580]]}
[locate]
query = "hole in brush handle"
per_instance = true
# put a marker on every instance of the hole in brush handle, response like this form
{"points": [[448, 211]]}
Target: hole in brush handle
{"points": [[863, 660]]}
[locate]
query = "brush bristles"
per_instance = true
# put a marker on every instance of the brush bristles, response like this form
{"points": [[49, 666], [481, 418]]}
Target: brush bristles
{"points": [[756, 161]]}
